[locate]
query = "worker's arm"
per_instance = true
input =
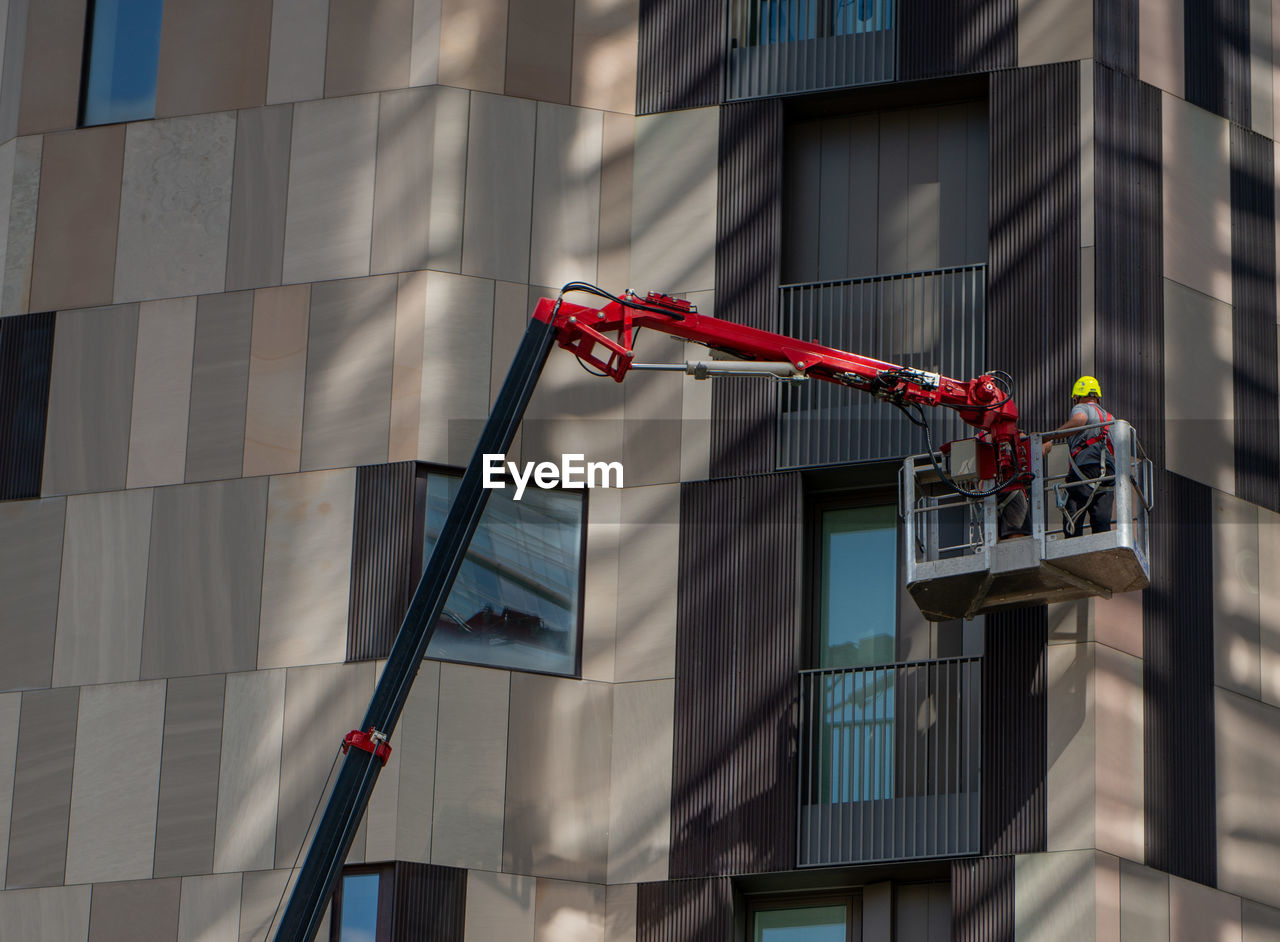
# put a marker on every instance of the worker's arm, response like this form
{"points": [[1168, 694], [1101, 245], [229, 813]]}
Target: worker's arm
{"points": [[1078, 419]]}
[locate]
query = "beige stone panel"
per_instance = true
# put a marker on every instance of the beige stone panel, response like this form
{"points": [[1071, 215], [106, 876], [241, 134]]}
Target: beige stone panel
{"points": [[457, 333], [695, 411], [10, 705], [161, 392], [298, 36], [617, 175], [424, 56], [277, 380], [415, 741], [380, 818], [1161, 48], [406, 367], [471, 33], [1197, 198], [104, 588], [640, 796], [213, 56], [510, 318], [601, 585], [260, 894], [306, 568], [620, 916], [73, 262], [1269, 604], [1055, 896], [566, 195], [652, 408], [649, 554], [606, 39], [673, 222], [1237, 660], [1118, 622], [259, 197], [1071, 784], [498, 206], [1199, 417], [1120, 807], [19, 223], [1054, 31], [1262, 59], [209, 910], [1107, 890], [249, 774], [329, 221], [1199, 913], [471, 769], [1260, 923], [556, 821], [368, 48], [1144, 903], [1248, 788], [540, 49], [499, 906], [568, 912], [113, 803], [53, 914], [51, 65]]}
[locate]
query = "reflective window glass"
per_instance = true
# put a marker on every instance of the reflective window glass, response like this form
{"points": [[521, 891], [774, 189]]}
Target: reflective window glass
{"points": [[805, 924], [359, 921], [124, 53], [516, 600], [859, 586]]}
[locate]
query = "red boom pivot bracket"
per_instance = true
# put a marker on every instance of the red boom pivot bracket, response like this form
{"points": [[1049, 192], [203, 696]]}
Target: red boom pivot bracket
{"points": [[372, 742]]}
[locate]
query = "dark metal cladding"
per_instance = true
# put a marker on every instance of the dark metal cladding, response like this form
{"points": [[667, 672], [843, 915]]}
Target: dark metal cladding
{"points": [[381, 558], [685, 911], [1216, 44], [1177, 675], [1115, 34], [1129, 253], [1015, 730], [1253, 318], [1033, 287], [982, 900], [26, 364], [429, 903], [733, 799], [748, 259], [681, 57], [953, 37]]}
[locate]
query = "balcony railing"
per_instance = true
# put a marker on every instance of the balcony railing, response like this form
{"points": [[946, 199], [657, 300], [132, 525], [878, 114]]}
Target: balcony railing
{"points": [[889, 762], [782, 46], [933, 320]]}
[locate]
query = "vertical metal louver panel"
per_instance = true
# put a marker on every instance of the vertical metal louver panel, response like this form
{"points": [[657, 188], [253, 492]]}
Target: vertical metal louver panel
{"points": [[429, 903], [953, 37], [681, 54], [1177, 675], [1033, 286], [1115, 34], [382, 554], [748, 253], [777, 47], [737, 643], [685, 911], [1015, 731], [1216, 45], [931, 320], [982, 900], [1129, 253], [1253, 318], [26, 363]]}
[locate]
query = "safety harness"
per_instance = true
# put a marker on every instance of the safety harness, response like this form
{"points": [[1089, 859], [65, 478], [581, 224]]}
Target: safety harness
{"points": [[1102, 436], [1060, 489]]}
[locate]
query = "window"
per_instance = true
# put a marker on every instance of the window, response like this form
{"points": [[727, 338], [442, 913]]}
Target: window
{"points": [[858, 586], [123, 53], [517, 600], [361, 906], [828, 920]]}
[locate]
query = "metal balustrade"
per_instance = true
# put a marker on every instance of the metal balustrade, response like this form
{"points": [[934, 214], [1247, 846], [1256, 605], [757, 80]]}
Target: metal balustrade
{"points": [[890, 762], [934, 320]]}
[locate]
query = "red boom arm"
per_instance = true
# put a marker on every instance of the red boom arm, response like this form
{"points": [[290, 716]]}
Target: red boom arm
{"points": [[603, 338]]}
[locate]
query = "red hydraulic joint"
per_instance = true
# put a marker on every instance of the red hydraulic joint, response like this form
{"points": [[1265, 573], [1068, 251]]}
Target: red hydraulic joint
{"points": [[370, 741]]}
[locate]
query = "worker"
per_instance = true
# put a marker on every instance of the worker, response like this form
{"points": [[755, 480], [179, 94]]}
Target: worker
{"points": [[1091, 460]]}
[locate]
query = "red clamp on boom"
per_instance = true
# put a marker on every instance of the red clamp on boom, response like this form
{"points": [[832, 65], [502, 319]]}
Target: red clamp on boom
{"points": [[372, 742]]}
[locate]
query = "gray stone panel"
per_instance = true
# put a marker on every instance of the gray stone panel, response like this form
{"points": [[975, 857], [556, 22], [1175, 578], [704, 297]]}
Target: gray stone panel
{"points": [[219, 386], [540, 50], [331, 169], [424, 57], [1248, 787], [350, 350], [455, 366], [249, 774], [472, 33], [187, 812], [135, 911], [10, 713], [14, 36], [58, 914], [259, 896], [104, 587], [369, 46], [415, 793], [161, 392], [213, 56], [259, 192], [1196, 188], [175, 203], [20, 227], [1144, 902], [566, 195], [499, 201], [204, 578], [499, 906], [566, 912], [421, 169], [1259, 923], [42, 789], [90, 400], [616, 175], [51, 66], [298, 31], [640, 793], [31, 535], [210, 910]]}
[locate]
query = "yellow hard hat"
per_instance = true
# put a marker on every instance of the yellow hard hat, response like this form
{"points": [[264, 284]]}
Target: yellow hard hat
{"points": [[1086, 386]]}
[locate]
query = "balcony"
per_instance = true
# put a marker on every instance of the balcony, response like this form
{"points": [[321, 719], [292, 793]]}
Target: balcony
{"points": [[890, 762], [778, 47], [934, 320]]}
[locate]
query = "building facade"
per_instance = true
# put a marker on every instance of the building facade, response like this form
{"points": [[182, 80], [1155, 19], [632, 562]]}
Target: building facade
{"points": [[264, 268]]}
